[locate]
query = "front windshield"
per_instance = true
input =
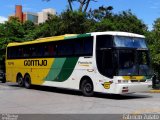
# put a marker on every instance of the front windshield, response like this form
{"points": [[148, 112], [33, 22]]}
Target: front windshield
{"points": [[122, 56], [143, 62], [127, 63], [131, 42], [134, 62]]}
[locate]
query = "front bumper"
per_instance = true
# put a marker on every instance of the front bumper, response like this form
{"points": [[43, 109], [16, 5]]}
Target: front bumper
{"points": [[133, 87]]}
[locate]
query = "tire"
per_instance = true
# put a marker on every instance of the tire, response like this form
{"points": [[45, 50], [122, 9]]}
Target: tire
{"points": [[20, 81], [87, 88], [27, 81]]}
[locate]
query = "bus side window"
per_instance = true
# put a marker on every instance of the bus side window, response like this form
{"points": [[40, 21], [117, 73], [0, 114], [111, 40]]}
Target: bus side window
{"points": [[78, 47], [33, 52], [68, 49], [88, 46], [52, 51], [105, 62], [46, 51], [10, 53], [65, 49], [38, 51], [20, 52], [26, 52], [41, 51], [13, 53]]}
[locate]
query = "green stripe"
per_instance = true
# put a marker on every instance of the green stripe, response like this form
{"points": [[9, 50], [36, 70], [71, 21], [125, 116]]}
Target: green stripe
{"points": [[83, 35], [77, 36], [67, 69], [62, 68], [55, 69]]}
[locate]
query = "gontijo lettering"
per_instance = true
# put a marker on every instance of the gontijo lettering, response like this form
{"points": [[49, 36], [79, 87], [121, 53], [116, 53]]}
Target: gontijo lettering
{"points": [[35, 63]]}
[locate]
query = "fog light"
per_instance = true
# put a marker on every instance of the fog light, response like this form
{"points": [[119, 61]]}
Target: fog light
{"points": [[119, 81], [125, 87]]}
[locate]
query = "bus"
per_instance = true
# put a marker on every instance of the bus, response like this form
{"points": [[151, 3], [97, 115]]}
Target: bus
{"points": [[107, 62]]}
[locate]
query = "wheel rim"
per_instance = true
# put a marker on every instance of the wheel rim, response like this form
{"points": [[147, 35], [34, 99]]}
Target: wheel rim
{"points": [[88, 88], [27, 82], [20, 81]]}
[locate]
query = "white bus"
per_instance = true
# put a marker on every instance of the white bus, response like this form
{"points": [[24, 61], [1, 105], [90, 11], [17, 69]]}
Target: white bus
{"points": [[106, 62]]}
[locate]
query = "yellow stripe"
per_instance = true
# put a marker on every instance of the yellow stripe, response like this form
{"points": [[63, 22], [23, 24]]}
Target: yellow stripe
{"points": [[84, 65], [133, 77], [154, 91], [41, 40]]}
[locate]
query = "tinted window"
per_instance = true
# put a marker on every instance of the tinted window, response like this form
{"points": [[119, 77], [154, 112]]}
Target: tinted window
{"points": [[64, 48], [105, 63], [104, 41], [88, 46], [131, 42], [78, 47]]}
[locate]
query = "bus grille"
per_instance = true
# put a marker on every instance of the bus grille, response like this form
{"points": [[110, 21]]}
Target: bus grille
{"points": [[138, 80]]}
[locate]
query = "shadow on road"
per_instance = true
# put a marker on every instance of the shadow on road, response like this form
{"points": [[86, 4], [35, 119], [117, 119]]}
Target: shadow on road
{"points": [[78, 93]]}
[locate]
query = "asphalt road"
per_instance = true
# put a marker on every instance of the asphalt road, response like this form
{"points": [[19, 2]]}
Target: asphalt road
{"points": [[49, 100]]}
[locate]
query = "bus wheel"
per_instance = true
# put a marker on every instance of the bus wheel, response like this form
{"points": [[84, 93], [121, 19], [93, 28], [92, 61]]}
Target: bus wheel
{"points": [[27, 81], [87, 87], [20, 81]]}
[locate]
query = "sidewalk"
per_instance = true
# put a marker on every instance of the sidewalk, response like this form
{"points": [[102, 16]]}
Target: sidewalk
{"points": [[155, 91]]}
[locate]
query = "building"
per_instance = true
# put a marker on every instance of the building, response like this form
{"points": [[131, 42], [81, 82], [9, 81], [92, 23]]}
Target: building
{"points": [[43, 16], [36, 18], [31, 17], [19, 13]]}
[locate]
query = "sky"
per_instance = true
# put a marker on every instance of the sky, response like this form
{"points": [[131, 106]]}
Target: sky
{"points": [[146, 10]]}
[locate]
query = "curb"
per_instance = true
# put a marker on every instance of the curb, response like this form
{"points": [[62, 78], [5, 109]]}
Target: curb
{"points": [[154, 91]]}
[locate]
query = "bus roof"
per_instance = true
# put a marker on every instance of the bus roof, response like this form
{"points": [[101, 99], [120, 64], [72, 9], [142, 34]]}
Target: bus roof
{"points": [[117, 33], [41, 40], [69, 36]]}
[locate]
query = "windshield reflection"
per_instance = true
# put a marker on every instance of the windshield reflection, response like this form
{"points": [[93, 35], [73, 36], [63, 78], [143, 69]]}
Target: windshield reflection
{"points": [[134, 62], [127, 63], [122, 56], [131, 42]]}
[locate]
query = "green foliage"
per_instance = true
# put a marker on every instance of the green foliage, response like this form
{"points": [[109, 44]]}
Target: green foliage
{"points": [[73, 22], [153, 39], [100, 13], [124, 21]]}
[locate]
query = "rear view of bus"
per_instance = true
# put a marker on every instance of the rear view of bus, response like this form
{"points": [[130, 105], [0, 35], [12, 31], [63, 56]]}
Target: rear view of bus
{"points": [[123, 60]]}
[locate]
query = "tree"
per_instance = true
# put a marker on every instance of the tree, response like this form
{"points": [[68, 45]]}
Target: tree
{"points": [[100, 13], [125, 21], [14, 28], [67, 22], [156, 25], [153, 38], [11, 31], [29, 28]]}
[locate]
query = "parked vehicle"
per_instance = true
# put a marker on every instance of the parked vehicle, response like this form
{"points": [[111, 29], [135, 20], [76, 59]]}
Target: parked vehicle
{"points": [[2, 77], [2, 71]]}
